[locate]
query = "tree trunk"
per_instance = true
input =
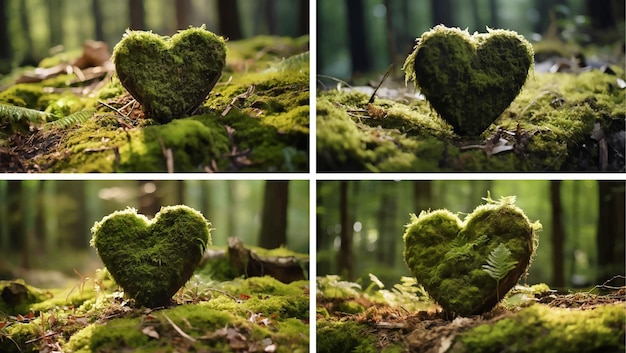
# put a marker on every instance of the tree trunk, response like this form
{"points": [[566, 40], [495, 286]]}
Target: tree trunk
{"points": [[29, 50], [356, 33], [274, 219], [55, 21], [390, 32], [493, 10], [345, 257], [228, 13], [610, 238], [137, 14], [442, 12], [558, 235], [387, 220], [270, 16], [50, 219], [602, 13], [149, 198], [29, 220], [423, 196], [4, 216], [6, 48], [182, 13], [98, 20], [303, 18]]}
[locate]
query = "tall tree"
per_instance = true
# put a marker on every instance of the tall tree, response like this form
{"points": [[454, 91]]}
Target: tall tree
{"points": [[274, 218], [558, 235], [442, 12], [29, 50], [345, 257], [610, 238], [387, 217], [4, 216], [423, 196], [98, 19], [137, 14], [6, 48], [228, 14], [270, 16], [356, 32], [55, 21], [603, 13]]}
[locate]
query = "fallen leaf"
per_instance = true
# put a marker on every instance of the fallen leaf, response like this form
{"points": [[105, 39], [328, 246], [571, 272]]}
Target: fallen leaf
{"points": [[150, 332]]}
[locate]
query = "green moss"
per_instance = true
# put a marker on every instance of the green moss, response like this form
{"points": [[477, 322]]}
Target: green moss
{"points": [[544, 329], [64, 105], [447, 256], [344, 337], [25, 95], [469, 80], [152, 259], [169, 77]]}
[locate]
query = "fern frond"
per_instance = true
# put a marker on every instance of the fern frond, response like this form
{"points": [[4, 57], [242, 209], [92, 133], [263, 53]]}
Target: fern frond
{"points": [[499, 262], [22, 115], [460, 247], [72, 119]]}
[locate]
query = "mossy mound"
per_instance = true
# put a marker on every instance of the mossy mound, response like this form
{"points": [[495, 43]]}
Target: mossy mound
{"points": [[469, 79], [548, 127], [551, 330], [152, 259], [17, 297], [455, 261], [255, 119], [169, 77]]}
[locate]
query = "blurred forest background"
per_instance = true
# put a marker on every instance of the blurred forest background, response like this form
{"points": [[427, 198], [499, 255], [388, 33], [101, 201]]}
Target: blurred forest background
{"points": [[45, 226], [360, 225], [359, 37], [33, 29]]}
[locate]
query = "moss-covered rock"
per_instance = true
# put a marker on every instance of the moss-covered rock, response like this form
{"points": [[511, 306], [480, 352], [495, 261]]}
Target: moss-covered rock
{"points": [[152, 259], [469, 80], [455, 260], [170, 77]]}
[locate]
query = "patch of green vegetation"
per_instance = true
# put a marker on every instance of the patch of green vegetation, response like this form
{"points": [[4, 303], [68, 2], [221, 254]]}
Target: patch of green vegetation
{"points": [[18, 297], [347, 337], [544, 329]]}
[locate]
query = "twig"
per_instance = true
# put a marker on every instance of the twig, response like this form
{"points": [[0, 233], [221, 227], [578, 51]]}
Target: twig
{"points": [[111, 107], [226, 294], [180, 332], [238, 99], [372, 97], [168, 155]]}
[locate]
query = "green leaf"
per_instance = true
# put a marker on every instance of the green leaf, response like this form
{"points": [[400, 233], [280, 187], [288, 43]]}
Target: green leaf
{"points": [[499, 262], [21, 114]]}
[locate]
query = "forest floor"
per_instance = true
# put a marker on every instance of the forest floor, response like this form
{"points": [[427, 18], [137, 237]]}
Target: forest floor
{"points": [[209, 314], [569, 116], [404, 319], [71, 114]]}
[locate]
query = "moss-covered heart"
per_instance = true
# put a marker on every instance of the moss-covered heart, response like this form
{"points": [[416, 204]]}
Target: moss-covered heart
{"points": [[468, 266], [169, 77], [152, 259], [469, 79]]}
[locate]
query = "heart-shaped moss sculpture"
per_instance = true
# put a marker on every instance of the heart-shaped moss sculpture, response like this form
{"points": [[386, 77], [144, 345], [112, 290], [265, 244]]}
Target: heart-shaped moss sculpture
{"points": [[469, 79], [468, 266], [170, 77], [152, 259]]}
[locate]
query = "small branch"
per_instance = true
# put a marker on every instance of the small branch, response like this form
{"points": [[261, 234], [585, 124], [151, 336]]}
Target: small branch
{"points": [[238, 99], [373, 96]]}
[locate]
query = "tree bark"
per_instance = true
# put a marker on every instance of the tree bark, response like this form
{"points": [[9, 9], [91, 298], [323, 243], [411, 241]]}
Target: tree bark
{"points": [[345, 257], [303, 18], [610, 238], [356, 33], [29, 50], [274, 219], [137, 14], [558, 235], [29, 220], [602, 13], [423, 196], [270, 16], [228, 13]]}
